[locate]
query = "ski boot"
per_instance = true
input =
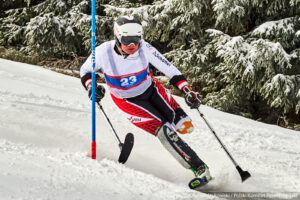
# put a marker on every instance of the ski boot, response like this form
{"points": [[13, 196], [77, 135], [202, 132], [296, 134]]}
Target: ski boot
{"points": [[202, 177]]}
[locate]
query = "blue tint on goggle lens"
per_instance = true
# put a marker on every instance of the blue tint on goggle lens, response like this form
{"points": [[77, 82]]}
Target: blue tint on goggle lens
{"points": [[127, 40]]}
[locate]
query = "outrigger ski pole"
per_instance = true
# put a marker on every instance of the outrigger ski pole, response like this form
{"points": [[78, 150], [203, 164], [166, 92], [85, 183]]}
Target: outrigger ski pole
{"points": [[244, 174], [125, 147]]}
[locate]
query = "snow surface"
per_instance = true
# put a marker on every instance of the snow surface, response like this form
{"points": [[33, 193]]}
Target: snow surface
{"points": [[45, 136]]}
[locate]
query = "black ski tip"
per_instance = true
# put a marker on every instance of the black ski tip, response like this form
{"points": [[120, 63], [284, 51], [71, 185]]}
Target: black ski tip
{"points": [[244, 174], [126, 148]]}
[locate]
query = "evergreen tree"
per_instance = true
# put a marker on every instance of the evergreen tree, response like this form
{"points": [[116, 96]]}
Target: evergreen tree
{"points": [[253, 70], [53, 28], [242, 56]]}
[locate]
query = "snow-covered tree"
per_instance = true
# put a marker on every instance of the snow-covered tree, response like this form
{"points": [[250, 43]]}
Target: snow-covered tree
{"points": [[53, 28], [240, 16], [283, 31], [252, 70], [242, 56], [58, 32]]}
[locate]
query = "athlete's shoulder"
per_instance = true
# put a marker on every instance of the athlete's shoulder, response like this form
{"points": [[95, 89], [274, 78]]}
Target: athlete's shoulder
{"points": [[105, 45], [147, 46], [153, 54], [102, 48]]}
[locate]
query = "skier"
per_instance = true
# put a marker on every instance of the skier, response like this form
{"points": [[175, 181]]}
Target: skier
{"points": [[124, 62]]}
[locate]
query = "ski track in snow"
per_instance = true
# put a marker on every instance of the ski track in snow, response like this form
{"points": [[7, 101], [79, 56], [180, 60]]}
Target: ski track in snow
{"points": [[45, 135]]}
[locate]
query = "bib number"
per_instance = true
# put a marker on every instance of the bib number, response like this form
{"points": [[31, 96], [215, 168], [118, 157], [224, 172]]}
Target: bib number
{"points": [[128, 81]]}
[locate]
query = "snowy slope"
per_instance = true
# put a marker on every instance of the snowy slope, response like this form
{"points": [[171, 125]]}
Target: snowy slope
{"points": [[45, 135]]}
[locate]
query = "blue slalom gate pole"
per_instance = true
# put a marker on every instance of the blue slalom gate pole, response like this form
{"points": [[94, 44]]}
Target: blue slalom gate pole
{"points": [[93, 154]]}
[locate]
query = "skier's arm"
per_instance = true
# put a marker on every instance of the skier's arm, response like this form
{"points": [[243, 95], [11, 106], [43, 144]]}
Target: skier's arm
{"points": [[176, 78], [164, 66], [86, 69], [86, 77]]}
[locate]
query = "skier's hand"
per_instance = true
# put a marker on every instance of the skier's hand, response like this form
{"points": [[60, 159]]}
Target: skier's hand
{"points": [[192, 99], [100, 92]]}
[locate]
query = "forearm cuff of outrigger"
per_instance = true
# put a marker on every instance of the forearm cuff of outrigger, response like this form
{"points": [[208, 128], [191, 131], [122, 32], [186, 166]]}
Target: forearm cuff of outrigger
{"points": [[87, 79], [179, 81]]}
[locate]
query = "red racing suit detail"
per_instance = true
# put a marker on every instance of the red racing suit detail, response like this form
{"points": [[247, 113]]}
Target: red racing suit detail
{"points": [[150, 110]]}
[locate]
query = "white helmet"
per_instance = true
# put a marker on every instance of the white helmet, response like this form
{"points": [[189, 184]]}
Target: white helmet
{"points": [[128, 30]]}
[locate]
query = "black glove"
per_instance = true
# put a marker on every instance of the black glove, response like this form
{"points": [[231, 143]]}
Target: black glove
{"points": [[192, 99], [100, 92]]}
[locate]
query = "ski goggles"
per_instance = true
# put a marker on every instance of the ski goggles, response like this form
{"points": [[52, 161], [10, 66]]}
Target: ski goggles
{"points": [[128, 40]]}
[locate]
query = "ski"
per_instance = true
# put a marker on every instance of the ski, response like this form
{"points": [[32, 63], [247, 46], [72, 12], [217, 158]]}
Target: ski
{"points": [[126, 148]]}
